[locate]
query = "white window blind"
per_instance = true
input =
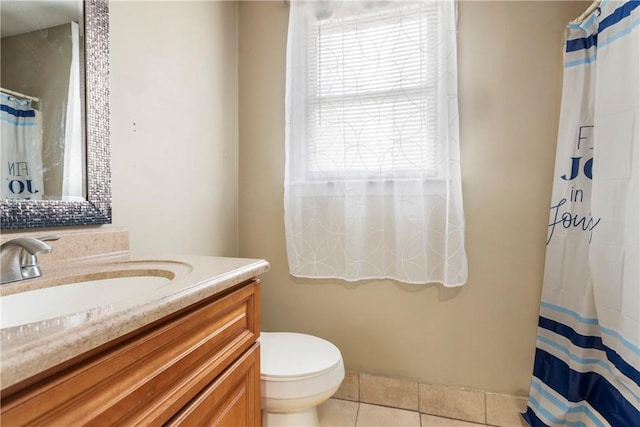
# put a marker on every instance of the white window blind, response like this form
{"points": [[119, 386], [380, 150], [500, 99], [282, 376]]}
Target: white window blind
{"points": [[372, 179], [371, 104]]}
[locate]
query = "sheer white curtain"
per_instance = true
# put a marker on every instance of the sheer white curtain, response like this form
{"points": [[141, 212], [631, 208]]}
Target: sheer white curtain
{"points": [[372, 181]]}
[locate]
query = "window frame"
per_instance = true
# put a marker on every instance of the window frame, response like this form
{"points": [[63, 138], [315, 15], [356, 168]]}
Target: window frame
{"points": [[314, 101]]}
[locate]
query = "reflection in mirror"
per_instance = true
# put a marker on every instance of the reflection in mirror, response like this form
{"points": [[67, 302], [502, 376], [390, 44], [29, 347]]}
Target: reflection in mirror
{"points": [[55, 162], [42, 100]]}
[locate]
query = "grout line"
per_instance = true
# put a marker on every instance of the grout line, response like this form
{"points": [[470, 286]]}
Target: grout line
{"points": [[381, 405], [484, 396], [485, 424], [419, 413]]}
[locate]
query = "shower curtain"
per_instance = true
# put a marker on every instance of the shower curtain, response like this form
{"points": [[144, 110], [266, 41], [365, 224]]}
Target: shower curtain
{"points": [[587, 360], [21, 127]]}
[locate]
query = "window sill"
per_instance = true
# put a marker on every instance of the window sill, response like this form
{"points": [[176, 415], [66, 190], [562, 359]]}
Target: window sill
{"points": [[370, 187]]}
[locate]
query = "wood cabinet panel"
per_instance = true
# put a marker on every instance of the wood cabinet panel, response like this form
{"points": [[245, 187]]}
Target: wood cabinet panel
{"points": [[149, 377], [232, 400]]}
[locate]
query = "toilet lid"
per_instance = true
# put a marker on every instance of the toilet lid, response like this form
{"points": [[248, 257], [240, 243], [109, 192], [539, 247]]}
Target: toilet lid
{"points": [[286, 356]]}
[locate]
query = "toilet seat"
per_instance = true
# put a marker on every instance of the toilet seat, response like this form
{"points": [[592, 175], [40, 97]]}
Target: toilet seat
{"points": [[297, 368], [289, 356]]}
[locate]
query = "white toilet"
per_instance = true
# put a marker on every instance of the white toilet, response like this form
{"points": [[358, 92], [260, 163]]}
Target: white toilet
{"points": [[297, 373]]}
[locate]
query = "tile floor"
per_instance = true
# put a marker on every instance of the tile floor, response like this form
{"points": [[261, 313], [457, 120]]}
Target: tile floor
{"points": [[365, 400], [345, 413]]}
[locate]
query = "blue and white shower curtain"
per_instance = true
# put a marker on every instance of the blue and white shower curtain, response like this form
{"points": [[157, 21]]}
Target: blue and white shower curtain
{"points": [[587, 361], [21, 161]]}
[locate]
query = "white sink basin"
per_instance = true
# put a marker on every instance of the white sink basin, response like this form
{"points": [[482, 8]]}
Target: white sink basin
{"points": [[57, 301]]}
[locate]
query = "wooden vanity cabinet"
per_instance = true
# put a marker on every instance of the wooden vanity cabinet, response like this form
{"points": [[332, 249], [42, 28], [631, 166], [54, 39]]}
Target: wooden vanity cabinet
{"points": [[200, 366]]}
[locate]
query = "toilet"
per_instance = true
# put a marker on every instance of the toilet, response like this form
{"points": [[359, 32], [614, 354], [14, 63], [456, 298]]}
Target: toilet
{"points": [[297, 373]]}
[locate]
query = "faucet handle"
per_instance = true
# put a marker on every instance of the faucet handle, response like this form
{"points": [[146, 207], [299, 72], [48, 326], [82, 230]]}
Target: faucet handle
{"points": [[49, 238], [28, 257], [29, 244], [34, 246], [29, 263], [28, 260]]}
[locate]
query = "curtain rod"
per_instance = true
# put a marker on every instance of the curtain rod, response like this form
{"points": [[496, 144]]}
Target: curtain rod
{"points": [[589, 11], [19, 95]]}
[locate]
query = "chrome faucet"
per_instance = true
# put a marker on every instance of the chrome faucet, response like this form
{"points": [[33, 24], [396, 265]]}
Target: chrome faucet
{"points": [[18, 258]]}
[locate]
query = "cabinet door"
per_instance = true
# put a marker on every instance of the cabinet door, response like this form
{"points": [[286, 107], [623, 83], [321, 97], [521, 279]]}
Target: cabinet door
{"points": [[232, 400], [147, 379]]}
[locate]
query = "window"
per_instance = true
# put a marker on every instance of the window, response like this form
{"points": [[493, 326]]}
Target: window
{"points": [[371, 94], [372, 179]]}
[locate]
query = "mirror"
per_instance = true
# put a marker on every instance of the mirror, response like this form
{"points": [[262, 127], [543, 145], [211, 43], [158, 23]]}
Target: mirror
{"points": [[42, 107], [91, 204]]}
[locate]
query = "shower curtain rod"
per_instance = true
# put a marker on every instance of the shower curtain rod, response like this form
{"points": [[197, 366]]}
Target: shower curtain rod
{"points": [[19, 95], [589, 11]]}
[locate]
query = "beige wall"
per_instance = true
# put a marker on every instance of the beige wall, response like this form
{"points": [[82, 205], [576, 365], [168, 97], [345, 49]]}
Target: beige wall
{"points": [[482, 335], [176, 96], [174, 125]]}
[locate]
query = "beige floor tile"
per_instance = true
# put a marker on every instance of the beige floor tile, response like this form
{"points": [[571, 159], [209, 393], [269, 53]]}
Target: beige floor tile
{"points": [[381, 416], [504, 411], [433, 421], [389, 392], [338, 413], [457, 403], [349, 389]]}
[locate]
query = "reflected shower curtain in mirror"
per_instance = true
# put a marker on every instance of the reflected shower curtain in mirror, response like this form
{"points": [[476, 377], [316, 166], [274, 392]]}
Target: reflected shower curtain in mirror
{"points": [[21, 162], [587, 360]]}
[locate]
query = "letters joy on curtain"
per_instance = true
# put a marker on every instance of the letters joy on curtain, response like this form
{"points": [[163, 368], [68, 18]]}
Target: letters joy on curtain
{"points": [[372, 181], [581, 167]]}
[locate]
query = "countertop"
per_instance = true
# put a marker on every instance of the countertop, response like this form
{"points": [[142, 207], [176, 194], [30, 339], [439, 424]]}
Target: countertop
{"points": [[30, 349]]}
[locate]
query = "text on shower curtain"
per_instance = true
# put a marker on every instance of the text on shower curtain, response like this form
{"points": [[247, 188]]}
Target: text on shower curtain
{"points": [[579, 183]]}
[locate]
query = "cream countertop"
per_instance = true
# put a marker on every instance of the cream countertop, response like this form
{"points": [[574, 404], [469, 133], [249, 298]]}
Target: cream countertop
{"points": [[30, 349]]}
